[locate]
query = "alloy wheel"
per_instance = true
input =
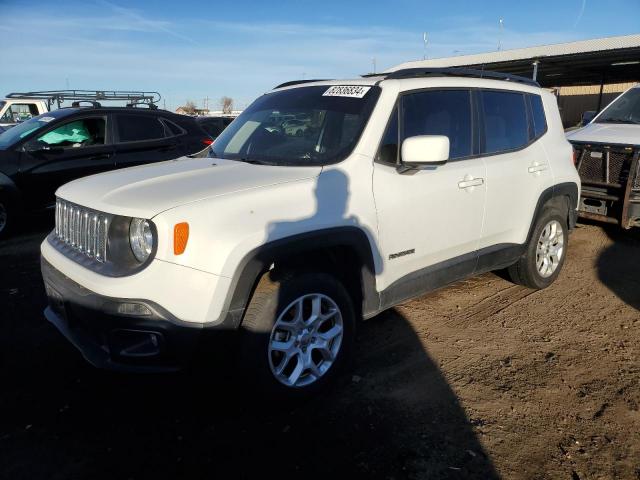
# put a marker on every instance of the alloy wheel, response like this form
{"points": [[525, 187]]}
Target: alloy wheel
{"points": [[305, 340], [550, 249]]}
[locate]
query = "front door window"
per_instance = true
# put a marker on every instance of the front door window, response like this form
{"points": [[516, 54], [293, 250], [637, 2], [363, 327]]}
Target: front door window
{"points": [[78, 133]]}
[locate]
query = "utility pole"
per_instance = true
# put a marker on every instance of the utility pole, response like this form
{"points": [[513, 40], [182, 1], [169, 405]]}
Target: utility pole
{"points": [[373, 63], [501, 22]]}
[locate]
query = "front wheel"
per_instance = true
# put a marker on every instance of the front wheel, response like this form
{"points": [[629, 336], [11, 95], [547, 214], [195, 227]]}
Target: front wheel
{"points": [[545, 253], [297, 333], [6, 219]]}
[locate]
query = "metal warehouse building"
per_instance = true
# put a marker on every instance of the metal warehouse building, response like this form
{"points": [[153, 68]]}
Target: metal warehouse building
{"points": [[586, 75]]}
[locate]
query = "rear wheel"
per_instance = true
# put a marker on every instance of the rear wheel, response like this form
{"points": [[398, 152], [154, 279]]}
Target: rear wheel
{"points": [[297, 333], [544, 256]]}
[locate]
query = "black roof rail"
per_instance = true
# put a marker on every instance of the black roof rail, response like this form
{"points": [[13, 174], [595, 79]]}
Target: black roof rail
{"points": [[59, 96], [298, 82], [458, 72]]}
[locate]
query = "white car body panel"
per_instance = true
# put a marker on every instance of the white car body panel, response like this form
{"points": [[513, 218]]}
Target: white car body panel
{"points": [[613, 133], [146, 190]]}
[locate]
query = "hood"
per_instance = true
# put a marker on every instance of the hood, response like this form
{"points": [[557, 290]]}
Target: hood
{"points": [[607, 133], [147, 190]]}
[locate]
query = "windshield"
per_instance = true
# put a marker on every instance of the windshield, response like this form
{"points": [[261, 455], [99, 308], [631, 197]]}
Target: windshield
{"points": [[20, 131], [626, 109], [314, 125]]}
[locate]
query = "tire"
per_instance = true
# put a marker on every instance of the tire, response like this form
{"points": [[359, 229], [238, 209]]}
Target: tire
{"points": [[309, 355], [6, 218], [536, 269]]}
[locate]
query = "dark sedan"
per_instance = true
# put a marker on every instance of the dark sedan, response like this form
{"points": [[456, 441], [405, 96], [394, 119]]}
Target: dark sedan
{"points": [[47, 151]]}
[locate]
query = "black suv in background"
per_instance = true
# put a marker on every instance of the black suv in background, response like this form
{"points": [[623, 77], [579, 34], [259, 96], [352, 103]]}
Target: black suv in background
{"points": [[47, 151], [214, 126]]}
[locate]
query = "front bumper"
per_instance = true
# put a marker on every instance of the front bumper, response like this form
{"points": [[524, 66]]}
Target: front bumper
{"points": [[146, 338]]}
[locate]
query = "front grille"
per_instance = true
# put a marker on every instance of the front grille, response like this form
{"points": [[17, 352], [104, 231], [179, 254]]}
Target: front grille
{"points": [[636, 181], [82, 229]]}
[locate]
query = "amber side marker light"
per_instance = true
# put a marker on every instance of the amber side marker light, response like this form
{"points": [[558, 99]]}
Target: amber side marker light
{"points": [[180, 238]]}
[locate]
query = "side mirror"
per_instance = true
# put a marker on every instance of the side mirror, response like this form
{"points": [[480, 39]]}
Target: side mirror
{"points": [[587, 117], [426, 150]]}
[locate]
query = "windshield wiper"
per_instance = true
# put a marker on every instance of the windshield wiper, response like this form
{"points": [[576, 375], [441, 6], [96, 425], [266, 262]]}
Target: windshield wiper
{"points": [[253, 161]]}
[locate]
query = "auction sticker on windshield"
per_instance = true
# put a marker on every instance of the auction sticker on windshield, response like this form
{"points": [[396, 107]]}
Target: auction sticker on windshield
{"points": [[352, 91]]}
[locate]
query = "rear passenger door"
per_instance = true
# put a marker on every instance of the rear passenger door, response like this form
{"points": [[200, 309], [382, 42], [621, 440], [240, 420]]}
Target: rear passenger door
{"points": [[143, 138], [518, 169]]}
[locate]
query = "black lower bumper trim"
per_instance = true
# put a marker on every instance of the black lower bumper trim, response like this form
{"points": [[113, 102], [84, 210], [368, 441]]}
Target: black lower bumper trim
{"points": [[152, 342]]}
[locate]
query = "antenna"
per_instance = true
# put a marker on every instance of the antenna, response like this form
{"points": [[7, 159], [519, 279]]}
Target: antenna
{"points": [[501, 22], [425, 39]]}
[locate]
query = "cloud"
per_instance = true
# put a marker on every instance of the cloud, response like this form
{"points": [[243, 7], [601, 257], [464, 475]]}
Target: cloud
{"points": [[142, 21], [114, 47], [581, 13]]}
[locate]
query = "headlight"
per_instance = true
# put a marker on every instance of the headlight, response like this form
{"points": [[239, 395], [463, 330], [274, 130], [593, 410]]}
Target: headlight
{"points": [[140, 239]]}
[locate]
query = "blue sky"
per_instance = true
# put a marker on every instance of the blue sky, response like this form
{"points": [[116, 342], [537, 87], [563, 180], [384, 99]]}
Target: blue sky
{"points": [[192, 49]]}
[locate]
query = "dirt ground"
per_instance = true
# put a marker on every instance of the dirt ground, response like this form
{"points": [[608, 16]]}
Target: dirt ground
{"points": [[482, 379]]}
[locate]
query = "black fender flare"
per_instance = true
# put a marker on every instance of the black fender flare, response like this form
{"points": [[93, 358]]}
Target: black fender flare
{"points": [[566, 189], [9, 189], [258, 261]]}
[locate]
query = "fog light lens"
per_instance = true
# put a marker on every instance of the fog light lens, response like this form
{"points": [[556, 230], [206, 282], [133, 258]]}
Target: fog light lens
{"points": [[134, 309]]}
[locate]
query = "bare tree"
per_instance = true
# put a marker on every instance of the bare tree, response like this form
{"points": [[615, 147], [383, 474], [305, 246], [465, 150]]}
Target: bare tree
{"points": [[227, 104], [189, 107]]}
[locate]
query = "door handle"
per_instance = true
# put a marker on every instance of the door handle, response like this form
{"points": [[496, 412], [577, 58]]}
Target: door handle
{"points": [[102, 156], [537, 167], [469, 182]]}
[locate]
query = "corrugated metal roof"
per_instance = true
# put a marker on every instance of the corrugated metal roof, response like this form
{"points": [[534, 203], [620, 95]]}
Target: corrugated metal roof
{"points": [[554, 50]]}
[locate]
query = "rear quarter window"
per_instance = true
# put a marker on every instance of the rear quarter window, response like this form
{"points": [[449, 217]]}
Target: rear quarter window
{"points": [[537, 115]]}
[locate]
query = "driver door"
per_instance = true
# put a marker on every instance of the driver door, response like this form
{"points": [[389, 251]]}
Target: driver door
{"points": [[429, 219], [68, 150]]}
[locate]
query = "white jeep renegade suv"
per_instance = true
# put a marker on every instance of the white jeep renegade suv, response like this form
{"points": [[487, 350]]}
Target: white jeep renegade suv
{"points": [[399, 184]]}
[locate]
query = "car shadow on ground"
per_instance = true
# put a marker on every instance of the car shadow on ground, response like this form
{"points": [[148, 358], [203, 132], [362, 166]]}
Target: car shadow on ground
{"points": [[393, 415], [619, 264]]}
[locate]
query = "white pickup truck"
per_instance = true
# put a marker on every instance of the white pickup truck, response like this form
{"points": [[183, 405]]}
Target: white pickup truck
{"points": [[607, 154], [16, 110]]}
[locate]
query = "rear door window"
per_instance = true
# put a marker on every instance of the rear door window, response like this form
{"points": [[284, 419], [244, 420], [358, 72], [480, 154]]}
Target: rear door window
{"points": [[505, 121], [137, 128]]}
